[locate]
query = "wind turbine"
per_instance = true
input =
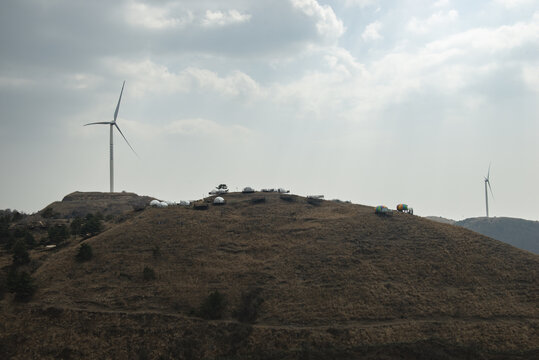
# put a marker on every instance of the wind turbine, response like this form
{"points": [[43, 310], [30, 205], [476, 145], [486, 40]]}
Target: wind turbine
{"points": [[487, 182], [112, 125]]}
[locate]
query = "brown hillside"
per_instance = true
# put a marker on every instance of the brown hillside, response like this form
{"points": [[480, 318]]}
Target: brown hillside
{"points": [[81, 203], [337, 281]]}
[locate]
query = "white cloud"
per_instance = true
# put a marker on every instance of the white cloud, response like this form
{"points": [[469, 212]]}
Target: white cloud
{"points": [[237, 83], [149, 77], [204, 127], [197, 127], [154, 17], [441, 3], [161, 17], [372, 31], [327, 23], [435, 20], [360, 3], [530, 75], [450, 66], [220, 18], [513, 4], [492, 40]]}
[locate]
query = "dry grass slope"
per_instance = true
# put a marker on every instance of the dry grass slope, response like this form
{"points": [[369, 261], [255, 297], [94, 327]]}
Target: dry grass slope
{"points": [[337, 282]]}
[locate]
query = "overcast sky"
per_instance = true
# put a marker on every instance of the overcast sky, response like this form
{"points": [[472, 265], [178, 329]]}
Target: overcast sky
{"points": [[373, 101]]}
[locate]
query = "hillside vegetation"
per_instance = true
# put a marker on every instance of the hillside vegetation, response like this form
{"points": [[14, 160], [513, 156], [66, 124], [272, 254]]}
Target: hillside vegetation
{"points": [[276, 276]]}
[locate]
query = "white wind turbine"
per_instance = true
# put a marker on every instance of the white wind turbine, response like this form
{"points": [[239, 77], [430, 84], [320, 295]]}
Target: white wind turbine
{"points": [[487, 182], [112, 125]]}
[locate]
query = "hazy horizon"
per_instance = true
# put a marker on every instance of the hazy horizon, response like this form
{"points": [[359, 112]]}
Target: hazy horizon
{"points": [[370, 101]]}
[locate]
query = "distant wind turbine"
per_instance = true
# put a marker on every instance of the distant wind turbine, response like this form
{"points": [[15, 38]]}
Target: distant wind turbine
{"points": [[487, 182], [112, 125]]}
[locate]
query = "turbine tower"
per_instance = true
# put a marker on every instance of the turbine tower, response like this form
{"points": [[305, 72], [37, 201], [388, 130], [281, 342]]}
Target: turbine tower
{"points": [[487, 182], [112, 125]]}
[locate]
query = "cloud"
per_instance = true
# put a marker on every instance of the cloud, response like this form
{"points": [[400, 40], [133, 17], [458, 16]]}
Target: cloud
{"points": [[220, 18], [455, 67], [10, 82], [190, 128], [149, 77], [360, 3], [155, 17], [513, 4], [205, 127], [327, 23], [435, 20], [488, 40], [530, 75], [372, 31], [441, 3]]}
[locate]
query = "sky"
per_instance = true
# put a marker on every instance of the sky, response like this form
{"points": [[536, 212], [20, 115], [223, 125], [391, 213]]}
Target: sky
{"points": [[372, 101]]}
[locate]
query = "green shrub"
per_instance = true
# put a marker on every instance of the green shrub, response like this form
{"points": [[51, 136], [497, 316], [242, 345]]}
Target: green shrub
{"points": [[249, 305], [58, 234], [213, 306], [20, 254], [92, 225], [148, 274], [75, 226], [156, 252], [49, 213], [85, 253], [3, 287], [29, 240], [22, 284], [19, 232], [287, 198]]}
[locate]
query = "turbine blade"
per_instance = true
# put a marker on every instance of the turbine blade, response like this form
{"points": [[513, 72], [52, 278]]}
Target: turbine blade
{"points": [[488, 173], [125, 139], [100, 123], [118, 106], [488, 182]]}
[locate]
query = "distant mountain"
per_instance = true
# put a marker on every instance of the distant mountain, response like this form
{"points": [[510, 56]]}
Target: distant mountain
{"points": [[520, 233]]}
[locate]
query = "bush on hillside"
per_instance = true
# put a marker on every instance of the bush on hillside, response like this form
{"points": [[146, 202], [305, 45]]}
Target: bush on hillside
{"points": [[75, 226], [5, 234], [29, 240], [148, 274], [249, 306], [85, 253], [213, 306], [92, 225], [19, 232], [156, 252], [287, 198], [3, 287], [49, 213], [58, 234], [22, 284], [314, 201], [20, 254]]}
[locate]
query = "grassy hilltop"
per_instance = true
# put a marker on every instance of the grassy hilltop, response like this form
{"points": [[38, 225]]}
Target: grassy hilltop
{"points": [[277, 276]]}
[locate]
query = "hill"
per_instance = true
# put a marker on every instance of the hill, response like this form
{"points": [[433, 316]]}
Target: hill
{"points": [[521, 233], [300, 279], [441, 219], [81, 203]]}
